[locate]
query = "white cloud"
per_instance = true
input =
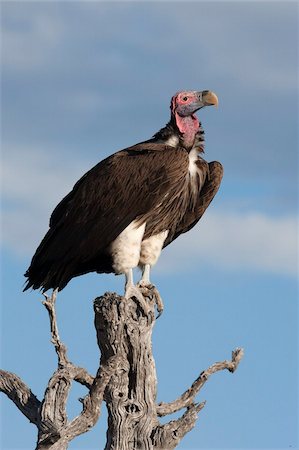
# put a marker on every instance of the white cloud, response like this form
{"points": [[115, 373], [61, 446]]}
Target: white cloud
{"points": [[29, 40], [32, 184], [251, 43], [35, 177], [234, 241]]}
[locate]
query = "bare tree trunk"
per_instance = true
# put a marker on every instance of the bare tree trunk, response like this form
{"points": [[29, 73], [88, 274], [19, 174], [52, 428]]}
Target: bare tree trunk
{"points": [[126, 381], [124, 330]]}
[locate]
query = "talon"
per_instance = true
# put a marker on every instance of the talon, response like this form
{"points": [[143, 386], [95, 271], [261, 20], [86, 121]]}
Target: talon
{"points": [[155, 293], [144, 284], [159, 313], [159, 301], [133, 291]]}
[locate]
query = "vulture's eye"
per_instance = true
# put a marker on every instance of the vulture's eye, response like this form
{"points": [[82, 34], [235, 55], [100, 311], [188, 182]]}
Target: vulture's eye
{"points": [[185, 99]]}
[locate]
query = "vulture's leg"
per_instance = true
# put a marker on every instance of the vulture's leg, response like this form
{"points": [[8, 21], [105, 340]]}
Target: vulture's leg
{"points": [[145, 280], [146, 283], [132, 291]]}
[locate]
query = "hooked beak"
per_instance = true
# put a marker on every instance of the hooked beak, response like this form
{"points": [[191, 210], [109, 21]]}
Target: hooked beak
{"points": [[207, 98], [199, 100]]}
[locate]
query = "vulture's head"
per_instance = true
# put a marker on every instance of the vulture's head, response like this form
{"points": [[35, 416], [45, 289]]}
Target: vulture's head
{"points": [[183, 107], [186, 103]]}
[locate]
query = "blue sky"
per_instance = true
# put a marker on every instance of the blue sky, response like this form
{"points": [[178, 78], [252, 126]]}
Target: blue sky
{"points": [[81, 80]]}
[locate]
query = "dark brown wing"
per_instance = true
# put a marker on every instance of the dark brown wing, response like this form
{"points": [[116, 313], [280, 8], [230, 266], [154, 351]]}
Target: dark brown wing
{"points": [[206, 195], [100, 206]]}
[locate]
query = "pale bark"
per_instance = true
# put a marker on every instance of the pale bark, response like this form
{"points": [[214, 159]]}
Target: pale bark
{"points": [[126, 381], [124, 330]]}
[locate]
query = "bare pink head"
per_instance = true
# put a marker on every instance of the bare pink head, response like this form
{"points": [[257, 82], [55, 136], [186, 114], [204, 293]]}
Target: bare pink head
{"points": [[183, 107]]}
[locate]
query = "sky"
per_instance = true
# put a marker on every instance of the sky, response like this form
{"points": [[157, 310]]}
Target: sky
{"points": [[83, 79]]}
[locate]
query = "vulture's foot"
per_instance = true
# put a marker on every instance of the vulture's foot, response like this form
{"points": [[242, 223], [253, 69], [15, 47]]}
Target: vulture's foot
{"points": [[133, 291], [149, 289]]}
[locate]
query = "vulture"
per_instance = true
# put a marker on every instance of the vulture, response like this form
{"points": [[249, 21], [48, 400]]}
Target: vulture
{"points": [[131, 205]]}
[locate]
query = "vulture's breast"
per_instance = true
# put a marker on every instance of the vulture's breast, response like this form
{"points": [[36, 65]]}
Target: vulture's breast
{"points": [[181, 196], [142, 241]]}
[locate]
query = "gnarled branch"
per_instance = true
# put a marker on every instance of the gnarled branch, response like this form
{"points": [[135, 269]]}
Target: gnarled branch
{"points": [[60, 348], [59, 439], [50, 415], [126, 380], [168, 436], [187, 398], [54, 429], [21, 395]]}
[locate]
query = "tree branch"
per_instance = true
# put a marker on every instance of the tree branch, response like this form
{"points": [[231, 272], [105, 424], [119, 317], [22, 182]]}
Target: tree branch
{"points": [[168, 436], [54, 428], [60, 348], [92, 402], [53, 415], [83, 377], [187, 398], [89, 415], [21, 395], [126, 379]]}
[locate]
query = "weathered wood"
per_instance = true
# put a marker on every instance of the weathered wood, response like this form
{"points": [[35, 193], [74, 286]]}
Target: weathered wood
{"points": [[168, 436], [125, 330], [187, 398], [17, 391], [126, 381]]}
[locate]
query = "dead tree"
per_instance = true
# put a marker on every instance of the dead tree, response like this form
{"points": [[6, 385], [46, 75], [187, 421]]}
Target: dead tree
{"points": [[126, 381]]}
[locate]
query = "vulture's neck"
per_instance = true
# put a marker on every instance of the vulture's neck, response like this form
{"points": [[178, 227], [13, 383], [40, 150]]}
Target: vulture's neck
{"points": [[189, 134]]}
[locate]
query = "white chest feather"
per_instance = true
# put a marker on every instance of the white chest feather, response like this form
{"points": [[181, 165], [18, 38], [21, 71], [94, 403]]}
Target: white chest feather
{"points": [[172, 141], [193, 157]]}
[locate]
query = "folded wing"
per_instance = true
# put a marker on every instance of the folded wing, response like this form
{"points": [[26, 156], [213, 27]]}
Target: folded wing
{"points": [[121, 188]]}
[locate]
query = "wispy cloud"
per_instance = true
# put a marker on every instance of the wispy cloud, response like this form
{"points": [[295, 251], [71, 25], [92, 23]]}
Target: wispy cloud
{"points": [[242, 42], [37, 36], [29, 40], [231, 241], [37, 178], [33, 182]]}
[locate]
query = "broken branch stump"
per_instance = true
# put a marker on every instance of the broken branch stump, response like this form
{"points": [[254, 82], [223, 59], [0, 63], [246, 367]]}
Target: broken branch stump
{"points": [[125, 331]]}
